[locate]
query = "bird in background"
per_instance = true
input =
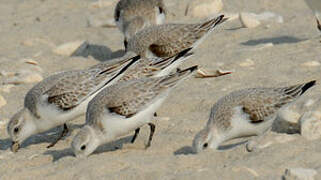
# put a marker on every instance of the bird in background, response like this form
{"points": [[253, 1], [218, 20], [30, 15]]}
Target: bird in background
{"points": [[132, 16], [168, 39]]}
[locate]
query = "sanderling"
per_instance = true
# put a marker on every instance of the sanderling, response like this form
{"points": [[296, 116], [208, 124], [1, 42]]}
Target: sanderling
{"points": [[168, 39], [122, 108], [62, 97], [247, 112], [132, 16]]}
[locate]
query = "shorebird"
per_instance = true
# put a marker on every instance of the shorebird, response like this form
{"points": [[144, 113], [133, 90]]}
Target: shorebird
{"points": [[132, 16], [247, 112], [122, 108], [168, 39], [62, 97]]}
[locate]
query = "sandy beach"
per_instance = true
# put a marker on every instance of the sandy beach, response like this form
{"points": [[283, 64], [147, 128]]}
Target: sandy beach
{"points": [[272, 54]]}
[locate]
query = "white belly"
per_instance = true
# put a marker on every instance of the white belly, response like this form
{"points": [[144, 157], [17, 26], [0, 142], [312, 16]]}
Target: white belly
{"points": [[242, 127], [52, 116], [117, 125], [160, 18]]}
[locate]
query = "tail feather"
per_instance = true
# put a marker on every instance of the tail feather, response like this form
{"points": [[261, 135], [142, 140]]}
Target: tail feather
{"points": [[210, 24], [298, 90], [306, 86]]}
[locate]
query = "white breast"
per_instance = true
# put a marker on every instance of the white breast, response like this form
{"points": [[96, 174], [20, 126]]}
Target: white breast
{"points": [[160, 17]]}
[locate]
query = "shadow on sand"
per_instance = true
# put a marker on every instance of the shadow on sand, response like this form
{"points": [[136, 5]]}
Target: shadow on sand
{"points": [[187, 150], [274, 40], [112, 146], [99, 52], [45, 137]]}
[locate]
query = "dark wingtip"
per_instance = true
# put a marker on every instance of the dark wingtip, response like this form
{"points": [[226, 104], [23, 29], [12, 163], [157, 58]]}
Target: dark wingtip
{"points": [[308, 86], [221, 16], [185, 53], [318, 23], [193, 68], [135, 58], [220, 19]]}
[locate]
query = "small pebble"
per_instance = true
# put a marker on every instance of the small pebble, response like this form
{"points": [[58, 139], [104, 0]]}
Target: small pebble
{"points": [[7, 74], [25, 78], [247, 63], [311, 125], [71, 48], [3, 102], [30, 61], [249, 20], [101, 4], [284, 138], [100, 21], [311, 64], [6, 88], [3, 123], [299, 174], [206, 9]]}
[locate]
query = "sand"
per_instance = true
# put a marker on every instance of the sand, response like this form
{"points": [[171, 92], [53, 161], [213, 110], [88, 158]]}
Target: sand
{"points": [[32, 29]]}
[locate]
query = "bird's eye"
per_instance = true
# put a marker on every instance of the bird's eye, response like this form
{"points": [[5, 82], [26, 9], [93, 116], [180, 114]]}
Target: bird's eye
{"points": [[16, 130], [205, 145], [117, 15], [83, 147]]}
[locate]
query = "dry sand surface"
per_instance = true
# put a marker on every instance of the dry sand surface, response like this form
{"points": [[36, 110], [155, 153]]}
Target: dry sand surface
{"points": [[32, 29]]}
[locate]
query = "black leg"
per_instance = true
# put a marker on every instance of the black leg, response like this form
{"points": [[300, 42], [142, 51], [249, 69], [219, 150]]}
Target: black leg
{"points": [[135, 135], [318, 23], [63, 134], [152, 130], [125, 44]]}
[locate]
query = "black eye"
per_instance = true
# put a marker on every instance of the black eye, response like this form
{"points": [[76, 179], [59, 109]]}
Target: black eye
{"points": [[117, 15], [16, 130], [205, 145], [83, 147]]}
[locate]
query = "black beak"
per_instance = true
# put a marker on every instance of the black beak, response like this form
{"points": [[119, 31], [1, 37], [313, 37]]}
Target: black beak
{"points": [[15, 146]]}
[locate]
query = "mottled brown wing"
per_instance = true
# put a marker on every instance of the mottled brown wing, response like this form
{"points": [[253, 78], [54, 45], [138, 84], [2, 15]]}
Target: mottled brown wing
{"points": [[74, 88], [264, 103], [128, 103], [128, 98], [260, 108], [179, 37], [173, 40]]}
